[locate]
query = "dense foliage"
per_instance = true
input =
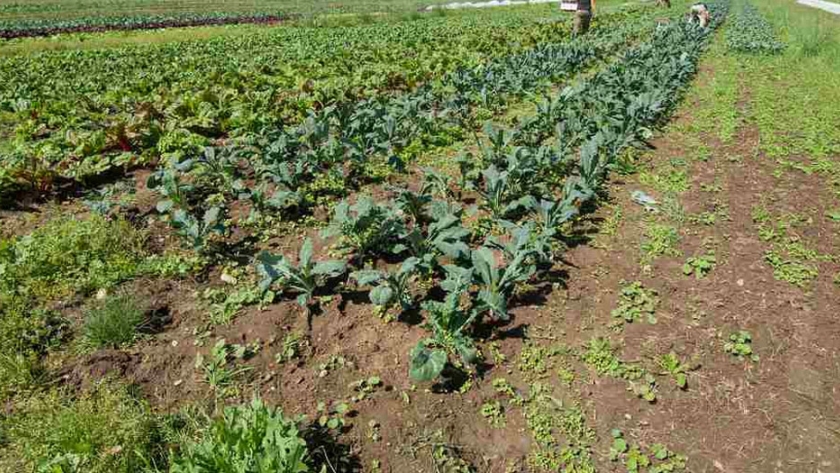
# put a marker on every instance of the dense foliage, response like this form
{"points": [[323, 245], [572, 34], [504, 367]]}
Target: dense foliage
{"points": [[750, 32]]}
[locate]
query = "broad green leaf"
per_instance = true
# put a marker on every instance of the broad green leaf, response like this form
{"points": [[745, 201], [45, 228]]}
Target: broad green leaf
{"points": [[426, 364]]}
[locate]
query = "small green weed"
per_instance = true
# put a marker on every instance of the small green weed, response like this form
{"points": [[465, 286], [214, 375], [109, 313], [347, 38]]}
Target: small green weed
{"points": [[219, 368], [334, 417], [672, 365], [494, 413], [635, 302], [789, 269], [290, 349], [740, 345], [103, 430], [660, 240], [700, 266], [365, 387], [671, 181], [658, 459], [601, 357]]}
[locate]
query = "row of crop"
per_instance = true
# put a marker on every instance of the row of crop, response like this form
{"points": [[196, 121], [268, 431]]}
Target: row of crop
{"points": [[346, 131], [750, 32], [50, 27], [286, 170], [87, 108], [526, 185]]}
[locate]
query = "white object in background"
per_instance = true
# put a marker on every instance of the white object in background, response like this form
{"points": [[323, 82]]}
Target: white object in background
{"points": [[827, 6]]}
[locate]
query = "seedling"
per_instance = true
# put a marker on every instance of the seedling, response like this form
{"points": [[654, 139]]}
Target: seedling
{"points": [[494, 413], [672, 365], [290, 349], [740, 345], [700, 266], [304, 278], [332, 418], [635, 302], [365, 387], [219, 368]]}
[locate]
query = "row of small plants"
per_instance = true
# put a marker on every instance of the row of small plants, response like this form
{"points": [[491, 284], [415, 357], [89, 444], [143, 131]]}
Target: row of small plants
{"points": [[50, 27], [750, 32], [460, 263], [164, 117]]}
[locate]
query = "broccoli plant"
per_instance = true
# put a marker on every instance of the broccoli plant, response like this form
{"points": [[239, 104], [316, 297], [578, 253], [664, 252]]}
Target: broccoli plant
{"points": [[304, 278], [364, 227], [167, 181], [553, 213], [444, 236], [448, 323], [498, 282], [499, 194], [413, 204], [198, 232], [263, 201], [389, 288]]}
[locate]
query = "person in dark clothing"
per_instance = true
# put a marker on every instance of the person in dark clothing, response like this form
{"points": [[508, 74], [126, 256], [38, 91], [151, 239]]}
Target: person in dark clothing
{"points": [[583, 16]]}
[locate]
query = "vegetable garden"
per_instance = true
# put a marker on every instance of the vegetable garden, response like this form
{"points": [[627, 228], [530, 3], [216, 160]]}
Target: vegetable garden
{"points": [[352, 222]]}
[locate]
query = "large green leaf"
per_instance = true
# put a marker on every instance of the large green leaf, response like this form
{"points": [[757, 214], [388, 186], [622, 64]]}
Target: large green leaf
{"points": [[426, 364]]}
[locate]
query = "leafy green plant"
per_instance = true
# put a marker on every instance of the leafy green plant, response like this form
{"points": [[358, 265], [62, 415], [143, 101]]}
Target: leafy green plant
{"points": [[672, 365], [198, 232], [219, 368], [448, 323], [500, 195], [167, 181], [700, 266], [364, 227], [251, 438], [635, 302], [494, 413], [304, 278], [443, 236], [740, 345], [390, 288], [497, 283], [115, 322]]}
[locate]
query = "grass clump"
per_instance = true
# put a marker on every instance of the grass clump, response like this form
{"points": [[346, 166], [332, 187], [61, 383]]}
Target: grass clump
{"points": [[103, 430], [115, 322]]}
